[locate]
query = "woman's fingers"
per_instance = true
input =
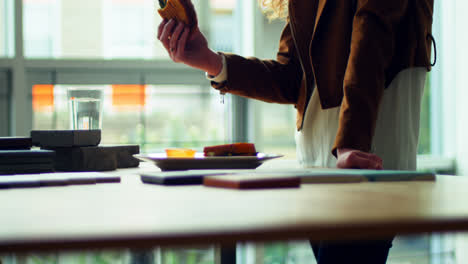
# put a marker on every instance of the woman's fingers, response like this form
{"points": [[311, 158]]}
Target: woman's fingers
{"points": [[175, 37], [161, 27], [180, 49], [362, 161], [358, 159], [371, 156], [167, 33]]}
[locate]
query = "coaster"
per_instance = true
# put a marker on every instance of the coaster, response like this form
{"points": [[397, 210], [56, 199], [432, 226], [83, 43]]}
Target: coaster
{"points": [[65, 138]]}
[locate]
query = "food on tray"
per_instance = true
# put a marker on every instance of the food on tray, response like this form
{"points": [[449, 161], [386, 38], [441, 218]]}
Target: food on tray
{"points": [[236, 149], [180, 153], [179, 10]]}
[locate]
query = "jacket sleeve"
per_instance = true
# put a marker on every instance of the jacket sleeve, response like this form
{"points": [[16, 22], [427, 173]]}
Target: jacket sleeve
{"points": [[372, 47], [274, 81]]}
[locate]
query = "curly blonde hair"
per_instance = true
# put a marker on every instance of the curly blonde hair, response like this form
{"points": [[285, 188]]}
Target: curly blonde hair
{"points": [[275, 9]]}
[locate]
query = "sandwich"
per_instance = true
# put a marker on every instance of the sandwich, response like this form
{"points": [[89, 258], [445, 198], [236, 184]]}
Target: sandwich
{"points": [[180, 10], [236, 149]]}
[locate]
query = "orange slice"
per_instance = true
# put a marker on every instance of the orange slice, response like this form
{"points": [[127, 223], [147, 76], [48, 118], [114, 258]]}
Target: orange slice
{"points": [[180, 153]]}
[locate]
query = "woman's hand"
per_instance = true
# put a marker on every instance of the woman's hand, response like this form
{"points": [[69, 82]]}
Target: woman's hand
{"points": [[355, 159], [189, 46]]}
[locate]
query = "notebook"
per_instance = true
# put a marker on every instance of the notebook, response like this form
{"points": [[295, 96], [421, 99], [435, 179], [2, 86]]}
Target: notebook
{"points": [[55, 179], [177, 177], [252, 181], [329, 175], [26, 161], [357, 175]]}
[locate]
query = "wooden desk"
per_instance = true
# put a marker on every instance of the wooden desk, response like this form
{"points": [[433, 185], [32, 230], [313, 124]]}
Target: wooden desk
{"points": [[133, 214]]}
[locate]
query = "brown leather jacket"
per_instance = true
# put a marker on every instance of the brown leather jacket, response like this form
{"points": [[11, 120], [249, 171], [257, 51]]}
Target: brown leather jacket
{"points": [[350, 51]]}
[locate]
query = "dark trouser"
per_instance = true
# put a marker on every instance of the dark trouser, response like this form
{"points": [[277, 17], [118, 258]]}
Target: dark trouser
{"points": [[350, 252]]}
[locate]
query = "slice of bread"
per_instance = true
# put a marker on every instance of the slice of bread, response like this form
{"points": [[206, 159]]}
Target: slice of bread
{"points": [[236, 149], [180, 10]]}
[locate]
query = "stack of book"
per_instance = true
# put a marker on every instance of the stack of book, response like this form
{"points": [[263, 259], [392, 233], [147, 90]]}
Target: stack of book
{"points": [[16, 156], [79, 150]]}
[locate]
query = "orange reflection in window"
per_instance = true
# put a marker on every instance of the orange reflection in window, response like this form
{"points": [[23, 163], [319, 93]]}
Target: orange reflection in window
{"points": [[43, 97], [128, 95]]}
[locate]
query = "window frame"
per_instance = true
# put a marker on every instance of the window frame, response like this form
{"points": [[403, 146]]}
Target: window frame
{"points": [[4, 102]]}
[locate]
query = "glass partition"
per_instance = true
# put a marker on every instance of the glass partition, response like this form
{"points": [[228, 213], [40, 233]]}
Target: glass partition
{"points": [[2, 28], [274, 129], [91, 29], [112, 28], [222, 26], [153, 116], [6, 22]]}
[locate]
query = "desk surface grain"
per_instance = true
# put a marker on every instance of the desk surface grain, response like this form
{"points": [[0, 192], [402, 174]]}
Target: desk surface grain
{"points": [[133, 214]]}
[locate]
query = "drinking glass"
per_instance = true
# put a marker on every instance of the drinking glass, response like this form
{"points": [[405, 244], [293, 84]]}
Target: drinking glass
{"points": [[85, 107]]}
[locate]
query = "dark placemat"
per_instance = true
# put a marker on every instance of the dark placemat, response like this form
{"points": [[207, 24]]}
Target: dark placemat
{"points": [[65, 138], [8, 169], [177, 177], [15, 143], [7, 156], [26, 160], [99, 158], [55, 179]]}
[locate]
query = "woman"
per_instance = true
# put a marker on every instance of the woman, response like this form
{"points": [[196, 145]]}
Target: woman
{"points": [[355, 71]]}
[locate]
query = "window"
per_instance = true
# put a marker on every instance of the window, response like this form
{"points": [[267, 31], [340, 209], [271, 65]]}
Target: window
{"points": [[222, 30], [153, 116], [274, 130], [129, 29], [2, 28], [92, 29], [6, 28], [41, 22]]}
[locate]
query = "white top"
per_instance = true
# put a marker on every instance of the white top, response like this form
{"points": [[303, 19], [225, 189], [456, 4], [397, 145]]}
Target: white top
{"points": [[397, 128]]}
